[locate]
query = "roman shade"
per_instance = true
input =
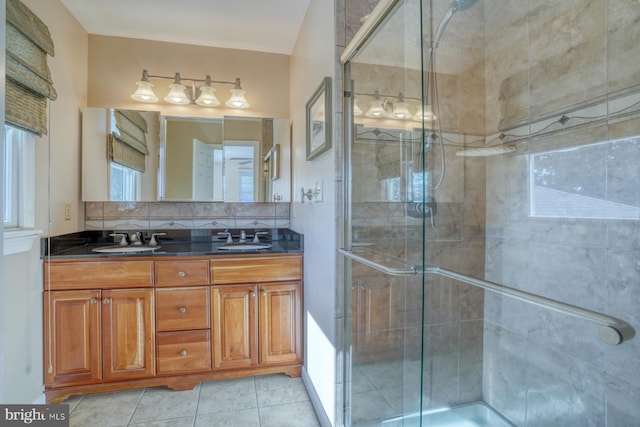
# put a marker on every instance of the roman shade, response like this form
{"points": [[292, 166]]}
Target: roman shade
{"points": [[28, 79], [128, 145]]}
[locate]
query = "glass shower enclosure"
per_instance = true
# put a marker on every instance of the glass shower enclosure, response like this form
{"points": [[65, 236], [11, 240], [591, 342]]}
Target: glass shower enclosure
{"points": [[491, 214]]}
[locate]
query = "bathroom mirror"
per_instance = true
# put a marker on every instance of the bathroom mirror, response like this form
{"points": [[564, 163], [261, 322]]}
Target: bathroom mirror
{"points": [[230, 159]]}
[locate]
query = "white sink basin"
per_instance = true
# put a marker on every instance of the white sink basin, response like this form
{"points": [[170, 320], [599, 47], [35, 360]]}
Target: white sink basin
{"points": [[245, 247], [124, 249]]}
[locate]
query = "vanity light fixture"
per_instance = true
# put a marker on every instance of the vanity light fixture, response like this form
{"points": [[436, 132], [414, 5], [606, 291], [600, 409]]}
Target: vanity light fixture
{"points": [[204, 95], [383, 106], [425, 114], [376, 110], [400, 109], [356, 108], [177, 93]]}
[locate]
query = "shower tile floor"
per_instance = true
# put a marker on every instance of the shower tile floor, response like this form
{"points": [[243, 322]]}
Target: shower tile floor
{"points": [[377, 390], [263, 401], [378, 400]]}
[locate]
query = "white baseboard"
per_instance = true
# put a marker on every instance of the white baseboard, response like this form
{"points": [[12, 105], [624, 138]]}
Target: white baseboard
{"points": [[315, 400]]}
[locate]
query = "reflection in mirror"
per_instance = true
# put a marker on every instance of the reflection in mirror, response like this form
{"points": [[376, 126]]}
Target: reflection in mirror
{"points": [[188, 159], [119, 155], [189, 149], [240, 171]]}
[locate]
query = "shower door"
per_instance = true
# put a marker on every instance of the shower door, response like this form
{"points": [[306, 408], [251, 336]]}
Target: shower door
{"points": [[385, 221], [491, 214]]}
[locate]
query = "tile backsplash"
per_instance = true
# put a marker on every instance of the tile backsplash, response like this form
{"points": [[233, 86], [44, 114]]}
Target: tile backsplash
{"points": [[184, 215]]}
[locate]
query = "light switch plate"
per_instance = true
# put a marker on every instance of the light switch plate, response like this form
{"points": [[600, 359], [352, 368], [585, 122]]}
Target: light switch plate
{"points": [[67, 211]]}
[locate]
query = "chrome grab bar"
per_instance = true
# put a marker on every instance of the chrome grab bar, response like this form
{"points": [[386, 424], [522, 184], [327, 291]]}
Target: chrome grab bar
{"points": [[409, 271], [613, 332]]}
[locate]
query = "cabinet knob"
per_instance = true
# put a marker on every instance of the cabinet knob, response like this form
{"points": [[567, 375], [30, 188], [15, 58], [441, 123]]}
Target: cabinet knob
{"points": [[252, 294], [183, 353], [182, 309], [93, 300], [106, 300], [263, 293], [181, 273]]}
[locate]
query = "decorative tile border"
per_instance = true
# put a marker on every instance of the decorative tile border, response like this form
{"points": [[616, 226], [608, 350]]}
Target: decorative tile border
{"points": [[184, 215]]}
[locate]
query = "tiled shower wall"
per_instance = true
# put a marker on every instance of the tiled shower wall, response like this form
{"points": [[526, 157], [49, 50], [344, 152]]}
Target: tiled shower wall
{"points": [[184, 215], [544, 59]]}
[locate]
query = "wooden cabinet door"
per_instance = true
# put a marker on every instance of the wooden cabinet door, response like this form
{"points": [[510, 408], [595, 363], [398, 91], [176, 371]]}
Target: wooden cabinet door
{"points": [[128, 333], [280, 323], [235, 341], [377, 317], [72, 337]]}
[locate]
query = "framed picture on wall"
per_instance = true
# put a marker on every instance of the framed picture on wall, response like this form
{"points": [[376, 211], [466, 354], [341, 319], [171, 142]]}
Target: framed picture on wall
{"points": [[318, 118]]}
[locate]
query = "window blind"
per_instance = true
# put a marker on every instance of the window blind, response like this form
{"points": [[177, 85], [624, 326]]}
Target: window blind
{"points": [[28, 79]]}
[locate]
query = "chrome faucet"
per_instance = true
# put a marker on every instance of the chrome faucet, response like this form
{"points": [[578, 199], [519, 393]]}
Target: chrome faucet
{"points": [[256, 236], [123, 238], [228, 234], [243, 237], [153, 241], [136, 239]]}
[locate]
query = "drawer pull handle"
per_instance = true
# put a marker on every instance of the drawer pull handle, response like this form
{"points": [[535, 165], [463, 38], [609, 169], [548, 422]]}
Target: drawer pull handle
{"points": [[183, 353], [263, 293], [93, 300], [182, 309], [106, 301], [181, 273], [252, 294]]}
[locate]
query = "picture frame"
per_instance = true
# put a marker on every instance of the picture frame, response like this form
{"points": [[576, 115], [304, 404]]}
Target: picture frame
{"points": [[318, 120]]}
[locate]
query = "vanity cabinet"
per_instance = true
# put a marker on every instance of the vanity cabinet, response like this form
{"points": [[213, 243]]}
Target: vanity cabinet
{"points": [[127, 334], [280, 313], [235, 341], [98, 335], [72, 344], [120, 323], [257, 311]]}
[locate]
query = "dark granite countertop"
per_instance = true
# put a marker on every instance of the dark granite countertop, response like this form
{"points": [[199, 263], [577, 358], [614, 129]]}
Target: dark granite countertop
{"points": [[175, 243]]}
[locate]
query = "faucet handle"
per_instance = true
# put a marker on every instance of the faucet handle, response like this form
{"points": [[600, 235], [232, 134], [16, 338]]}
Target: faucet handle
{"points": [[123, 236], [256, 238], [154, 241], [228, 234]]}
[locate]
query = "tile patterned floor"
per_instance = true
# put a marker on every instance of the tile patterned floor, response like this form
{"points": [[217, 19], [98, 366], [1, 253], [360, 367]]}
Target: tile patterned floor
{"points": [[264, 401]]}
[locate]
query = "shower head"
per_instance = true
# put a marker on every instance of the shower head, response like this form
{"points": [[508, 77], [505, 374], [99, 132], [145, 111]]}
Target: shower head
{"points": [[455, 6], [463, 4]]}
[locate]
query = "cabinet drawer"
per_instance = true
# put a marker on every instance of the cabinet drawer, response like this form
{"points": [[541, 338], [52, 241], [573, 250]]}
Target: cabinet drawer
{"points": [[186, 351], [256, 269], [98, 274], [182, 273], [183, 308]]}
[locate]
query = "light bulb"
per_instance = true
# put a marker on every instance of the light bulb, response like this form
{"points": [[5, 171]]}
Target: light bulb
{"points": [[207, 97], [177, 95], [376, 110], [425, 114], [144, 93]]}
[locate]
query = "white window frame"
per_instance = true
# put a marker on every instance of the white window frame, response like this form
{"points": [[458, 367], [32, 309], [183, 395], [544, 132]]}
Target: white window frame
{"points": [[132, 183], [20, 234]]}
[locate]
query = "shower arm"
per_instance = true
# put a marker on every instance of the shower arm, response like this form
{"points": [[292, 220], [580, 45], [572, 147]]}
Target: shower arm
{"points": [[614, 331]]}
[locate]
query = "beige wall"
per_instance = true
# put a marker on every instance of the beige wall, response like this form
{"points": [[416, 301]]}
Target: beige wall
{"points": [[21, 372], [312, 60], [69, 73], [179, 154], [116, 64]]}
